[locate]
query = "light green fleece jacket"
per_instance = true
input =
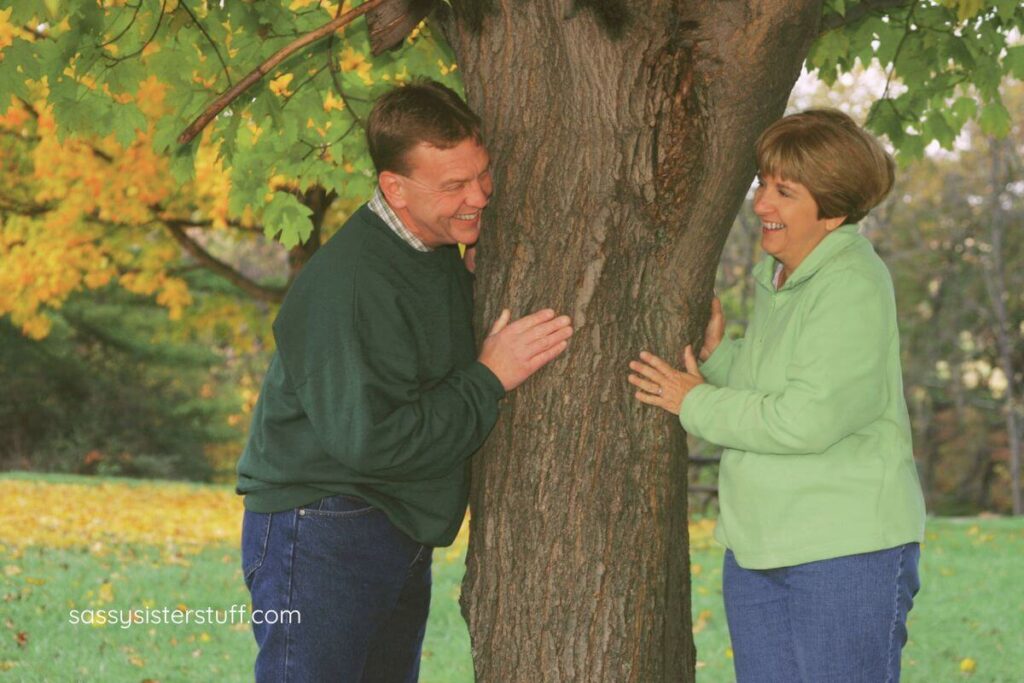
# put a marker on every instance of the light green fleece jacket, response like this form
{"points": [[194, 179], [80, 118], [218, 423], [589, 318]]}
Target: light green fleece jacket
{"points": [[809, 408]]}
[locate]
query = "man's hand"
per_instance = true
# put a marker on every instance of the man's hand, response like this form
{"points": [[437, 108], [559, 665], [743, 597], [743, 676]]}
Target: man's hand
{"points": [[514, 351], [715, 330], [469, 258]]}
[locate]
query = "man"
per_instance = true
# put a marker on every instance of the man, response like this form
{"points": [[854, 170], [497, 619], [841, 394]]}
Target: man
{"points": [[374, 400]]}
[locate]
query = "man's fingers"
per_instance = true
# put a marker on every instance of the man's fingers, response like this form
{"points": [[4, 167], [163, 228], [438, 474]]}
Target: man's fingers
{"points": [[501, 322], [532, 320], [545, 342], [545, 357], [546, 328]]}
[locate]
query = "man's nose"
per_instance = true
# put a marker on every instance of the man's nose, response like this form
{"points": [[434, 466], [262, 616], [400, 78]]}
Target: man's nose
{"points": [[478, 195]]}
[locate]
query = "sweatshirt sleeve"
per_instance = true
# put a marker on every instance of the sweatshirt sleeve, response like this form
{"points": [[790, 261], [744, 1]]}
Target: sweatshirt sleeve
{"points": [[716, 368], [831, 381], [369, 405]]}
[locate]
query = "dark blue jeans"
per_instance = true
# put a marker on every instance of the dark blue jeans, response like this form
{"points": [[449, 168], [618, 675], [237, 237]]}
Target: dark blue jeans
{"points": [[341, 594], [842, 620]]}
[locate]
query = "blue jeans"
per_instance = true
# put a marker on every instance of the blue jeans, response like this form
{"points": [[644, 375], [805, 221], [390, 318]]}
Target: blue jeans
{"points": [[359, 588], [842, 619]]}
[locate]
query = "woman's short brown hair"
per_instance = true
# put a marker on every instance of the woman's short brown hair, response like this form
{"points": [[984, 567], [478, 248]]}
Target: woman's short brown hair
{"points": [[845, 169], [422, 111]]}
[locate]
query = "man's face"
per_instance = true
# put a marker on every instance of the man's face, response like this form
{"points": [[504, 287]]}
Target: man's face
{"points": [[443, 196]]}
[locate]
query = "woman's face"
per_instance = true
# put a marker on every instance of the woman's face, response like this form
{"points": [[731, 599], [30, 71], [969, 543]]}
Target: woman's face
{"points": [[790, 227]]}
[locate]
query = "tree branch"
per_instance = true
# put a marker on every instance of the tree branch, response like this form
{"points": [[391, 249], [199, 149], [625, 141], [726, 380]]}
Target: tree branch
{"points": [[156, 29], [899, 48], [215, 265], [860, 11], [263, 69], [29, 210], [333, 68], [131, 22], [199, 25]]}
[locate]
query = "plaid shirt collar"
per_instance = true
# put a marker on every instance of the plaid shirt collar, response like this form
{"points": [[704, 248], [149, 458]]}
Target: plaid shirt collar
{"points": [[380, 207]]}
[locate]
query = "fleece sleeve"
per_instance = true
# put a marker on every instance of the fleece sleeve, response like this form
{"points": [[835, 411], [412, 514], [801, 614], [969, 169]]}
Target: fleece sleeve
{"points": [[371, 407], [716, 368], [832, 379]]}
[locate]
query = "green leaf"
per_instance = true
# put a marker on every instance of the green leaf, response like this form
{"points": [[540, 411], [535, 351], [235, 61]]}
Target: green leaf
{"points": [[964, 109], [828, 49], [77, 109], [127, 121], [249, 177], [183, 162], [20, 63], [287, 216], [995, 120], [986, 76], [1005, 9], [1013, 62], [936, 127], [125, 77], [883, 120], [912, 146]]}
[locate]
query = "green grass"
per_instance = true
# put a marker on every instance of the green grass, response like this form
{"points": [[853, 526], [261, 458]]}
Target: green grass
{"points": [[971, 606], [38, 599]]}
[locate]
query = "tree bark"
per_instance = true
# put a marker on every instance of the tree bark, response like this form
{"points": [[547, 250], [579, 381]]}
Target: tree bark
{"points": [[621, 137]]}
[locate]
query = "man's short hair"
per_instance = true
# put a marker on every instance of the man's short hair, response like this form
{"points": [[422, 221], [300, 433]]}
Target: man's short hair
{"points": [[422, 111], [845, 169]]}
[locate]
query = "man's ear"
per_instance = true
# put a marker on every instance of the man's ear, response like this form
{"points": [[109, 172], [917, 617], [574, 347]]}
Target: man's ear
{"points": [[833, 223], [392, 188]]}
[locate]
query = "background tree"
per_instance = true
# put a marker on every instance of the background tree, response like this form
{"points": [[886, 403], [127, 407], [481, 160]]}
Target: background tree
{"points": [[622, 141]]}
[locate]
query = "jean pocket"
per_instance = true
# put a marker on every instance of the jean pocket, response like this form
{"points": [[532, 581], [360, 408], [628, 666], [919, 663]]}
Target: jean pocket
{"points": [[338, 506], [255, 538]]}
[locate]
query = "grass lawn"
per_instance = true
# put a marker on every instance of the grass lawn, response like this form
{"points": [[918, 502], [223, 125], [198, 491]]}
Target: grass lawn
{"points": [[70, 543]]}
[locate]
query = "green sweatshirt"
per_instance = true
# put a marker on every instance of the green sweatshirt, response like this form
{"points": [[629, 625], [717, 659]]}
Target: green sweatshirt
{"points": [[809, 407], [374, 390]]}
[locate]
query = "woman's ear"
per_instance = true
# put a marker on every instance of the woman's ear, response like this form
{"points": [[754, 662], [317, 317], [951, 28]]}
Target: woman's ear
{"points": [[833, 223]]}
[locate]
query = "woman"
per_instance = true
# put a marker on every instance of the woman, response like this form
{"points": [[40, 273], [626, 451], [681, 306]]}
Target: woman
{"points": [[821, 511]]}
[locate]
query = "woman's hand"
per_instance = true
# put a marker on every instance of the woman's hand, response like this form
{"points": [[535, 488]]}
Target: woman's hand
{"points": [[715, 330], [661, 384]]}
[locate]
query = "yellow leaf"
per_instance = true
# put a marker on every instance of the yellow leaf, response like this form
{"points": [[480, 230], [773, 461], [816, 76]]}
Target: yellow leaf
{"points": [[333, 103], [279, 86], [702, 621]]}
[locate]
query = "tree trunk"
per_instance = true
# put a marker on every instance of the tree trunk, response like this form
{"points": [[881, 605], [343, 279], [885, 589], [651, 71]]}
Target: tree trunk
{"points": [[621, 137]]}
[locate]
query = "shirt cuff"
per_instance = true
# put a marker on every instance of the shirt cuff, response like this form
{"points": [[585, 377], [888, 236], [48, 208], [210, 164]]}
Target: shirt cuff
{"points": [[691, 411], [487, 379], [718, 357]]}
